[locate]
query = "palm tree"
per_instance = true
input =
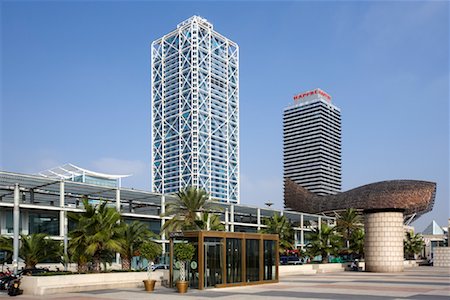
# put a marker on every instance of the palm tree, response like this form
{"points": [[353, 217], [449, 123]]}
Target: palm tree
{"points": [[6, 245], [347, 223], [133, 235], [97, 234], [323, 241], [187, 207], [280, 225], [76, 249], [357, 242], [78, 236], [105, 234], [209, 221], [412, 244], [36, 248]]}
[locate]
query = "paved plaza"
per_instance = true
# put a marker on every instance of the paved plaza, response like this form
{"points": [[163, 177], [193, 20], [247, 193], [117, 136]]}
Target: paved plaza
{"points": [[414, 283]]}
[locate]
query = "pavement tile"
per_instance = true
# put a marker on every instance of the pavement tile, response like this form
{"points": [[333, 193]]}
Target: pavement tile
{"points": [[418, 283]]}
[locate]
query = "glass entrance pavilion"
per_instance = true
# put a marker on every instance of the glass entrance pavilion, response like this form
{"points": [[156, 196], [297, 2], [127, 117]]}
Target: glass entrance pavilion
{"points": [[224, 259]]}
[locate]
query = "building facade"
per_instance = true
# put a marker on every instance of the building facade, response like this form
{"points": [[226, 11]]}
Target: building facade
{"points": [[36, 204], [195, 111], [434, 236], [312, 143]]}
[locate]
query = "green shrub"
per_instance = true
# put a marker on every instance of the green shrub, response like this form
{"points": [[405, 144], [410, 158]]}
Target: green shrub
{"points": [[184, 251], [55, 273], [150, 250]]}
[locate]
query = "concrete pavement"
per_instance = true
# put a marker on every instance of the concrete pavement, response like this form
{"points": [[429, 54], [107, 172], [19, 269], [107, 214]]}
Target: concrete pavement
{"points": [[414, 283]]}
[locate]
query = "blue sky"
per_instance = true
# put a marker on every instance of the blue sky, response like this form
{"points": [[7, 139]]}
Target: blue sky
{"points": [[76, 85]]}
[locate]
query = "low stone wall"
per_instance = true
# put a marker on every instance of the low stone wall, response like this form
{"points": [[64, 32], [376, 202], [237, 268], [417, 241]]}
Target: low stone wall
{"points": [[46, 285], [329, 268], [410, 263], [441, 257], [286, 270]]}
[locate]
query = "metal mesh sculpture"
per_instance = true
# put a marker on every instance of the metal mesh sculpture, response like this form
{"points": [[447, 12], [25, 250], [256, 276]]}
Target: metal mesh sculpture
{"points": [[412, 197]]}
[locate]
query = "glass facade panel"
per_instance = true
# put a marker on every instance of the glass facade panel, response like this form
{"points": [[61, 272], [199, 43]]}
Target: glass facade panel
{"points": [[252, 260], [151, 224], [234, 264], [269, 260], [238, 228], [9, 221], [213, 261], [227, 259], [294, 219], [44, 222]]}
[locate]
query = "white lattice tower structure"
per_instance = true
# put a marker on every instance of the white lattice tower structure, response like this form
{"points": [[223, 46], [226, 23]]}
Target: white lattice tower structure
{"points": [[195, 111]]}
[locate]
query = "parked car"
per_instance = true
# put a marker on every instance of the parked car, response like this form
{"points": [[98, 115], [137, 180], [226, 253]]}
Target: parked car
{"points": [[33, 271], [290, 260], [160, 267]]}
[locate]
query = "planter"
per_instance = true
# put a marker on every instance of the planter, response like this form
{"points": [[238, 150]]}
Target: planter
{"points": [[182, 286], [47, 285], [149, 285]]}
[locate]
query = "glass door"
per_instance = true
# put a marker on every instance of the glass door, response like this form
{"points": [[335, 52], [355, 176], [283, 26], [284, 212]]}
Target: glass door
{"points": [[234, 262], [252, 260], [213, 262]]}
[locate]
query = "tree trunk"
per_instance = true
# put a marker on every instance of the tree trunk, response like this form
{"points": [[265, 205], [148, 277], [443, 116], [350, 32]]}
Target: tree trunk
{"points": [[182, 271], [348, 238], [82, 267], [126, 263], [97, 263]]}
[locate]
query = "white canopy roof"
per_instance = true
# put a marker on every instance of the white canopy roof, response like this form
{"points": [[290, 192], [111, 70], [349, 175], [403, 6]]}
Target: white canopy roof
{"points": [[69, 171]]}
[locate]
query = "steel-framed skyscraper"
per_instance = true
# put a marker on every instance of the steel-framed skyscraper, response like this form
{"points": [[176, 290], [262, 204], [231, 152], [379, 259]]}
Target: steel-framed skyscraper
{"points": [[195, 111], [312, 142]]}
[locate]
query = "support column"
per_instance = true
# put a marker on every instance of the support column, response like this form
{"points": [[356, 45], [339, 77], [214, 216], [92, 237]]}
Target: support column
{"points": [[302, 233], [118, 210], [63, 231], [16, 217], [258, 218], [61, 206], [227, 220], [383, 244], [163, 221], [66, 240], [118, 200], [232, 217], [296, 240]]}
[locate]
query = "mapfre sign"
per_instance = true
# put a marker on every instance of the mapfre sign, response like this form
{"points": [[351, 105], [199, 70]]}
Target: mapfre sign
{"points": [[310, 93]]}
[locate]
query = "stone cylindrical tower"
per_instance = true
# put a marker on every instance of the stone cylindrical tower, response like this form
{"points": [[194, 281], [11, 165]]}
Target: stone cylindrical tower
{"points": [[383, 245]]}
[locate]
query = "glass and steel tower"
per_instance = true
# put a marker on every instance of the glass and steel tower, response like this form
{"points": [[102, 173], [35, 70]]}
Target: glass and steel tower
{"points": [[195, 111], [312, 143]]}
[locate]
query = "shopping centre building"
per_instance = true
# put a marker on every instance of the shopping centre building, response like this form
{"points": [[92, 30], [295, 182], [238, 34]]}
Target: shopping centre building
{"points": [[39, 204]]}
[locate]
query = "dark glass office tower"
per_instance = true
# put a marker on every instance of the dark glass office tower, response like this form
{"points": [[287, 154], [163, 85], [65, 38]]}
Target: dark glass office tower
{"points": [[312, 142]]}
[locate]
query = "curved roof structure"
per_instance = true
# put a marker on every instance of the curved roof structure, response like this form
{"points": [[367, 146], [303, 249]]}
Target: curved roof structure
{"points": [[68, 171], [413, 197]]}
